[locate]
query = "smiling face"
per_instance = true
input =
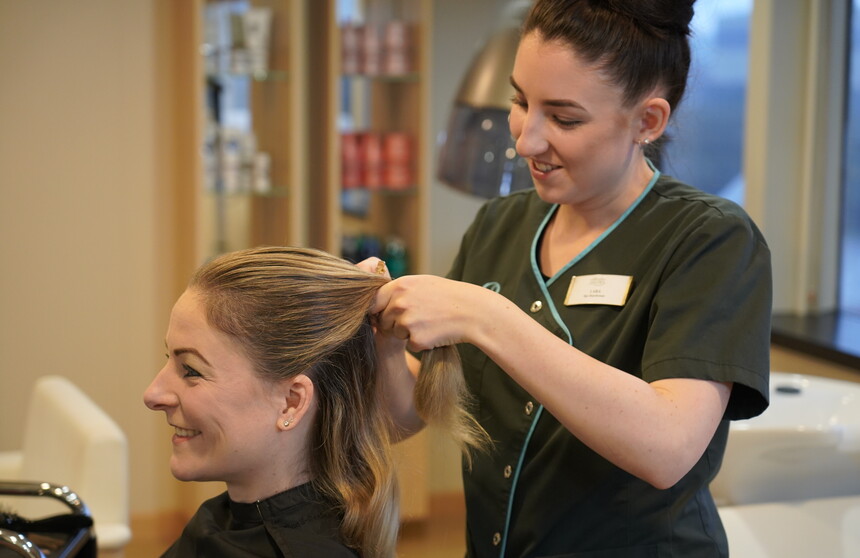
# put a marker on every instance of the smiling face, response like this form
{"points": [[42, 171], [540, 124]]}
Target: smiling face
{"points": [[571, 124], [228, 421]]}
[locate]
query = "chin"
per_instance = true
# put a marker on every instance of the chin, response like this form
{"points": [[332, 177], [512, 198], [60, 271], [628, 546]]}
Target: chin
{"points": [[551, 195], [185, 473]]}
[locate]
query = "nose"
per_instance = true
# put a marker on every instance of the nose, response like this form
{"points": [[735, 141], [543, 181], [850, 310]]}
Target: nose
{"points": [[159, 396], [528, 130]]}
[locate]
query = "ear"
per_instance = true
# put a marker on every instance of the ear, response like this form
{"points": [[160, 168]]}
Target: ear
{"points": [[653, 118], [297, 401]]}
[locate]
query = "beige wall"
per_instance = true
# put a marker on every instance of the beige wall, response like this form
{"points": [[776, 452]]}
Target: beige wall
{"points": [[85, 216]]}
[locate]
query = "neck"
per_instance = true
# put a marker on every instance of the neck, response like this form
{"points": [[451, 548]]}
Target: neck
{"points": [[575, 226], [599, 213], [261, 490]]}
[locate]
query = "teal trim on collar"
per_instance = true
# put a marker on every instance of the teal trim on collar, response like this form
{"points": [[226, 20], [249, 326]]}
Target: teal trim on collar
{"points": [[605, 233], [539, 276]]}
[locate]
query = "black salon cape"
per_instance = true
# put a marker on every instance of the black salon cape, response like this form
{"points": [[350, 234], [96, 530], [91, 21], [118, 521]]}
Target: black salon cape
{"points": [[298, 523]]}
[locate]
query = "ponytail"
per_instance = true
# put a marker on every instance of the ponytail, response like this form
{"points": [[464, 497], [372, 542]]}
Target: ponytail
{"points": [[442, 398]]}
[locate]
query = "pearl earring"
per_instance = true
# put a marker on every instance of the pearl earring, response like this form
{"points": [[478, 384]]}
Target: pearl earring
{"points": [[287, 423]]}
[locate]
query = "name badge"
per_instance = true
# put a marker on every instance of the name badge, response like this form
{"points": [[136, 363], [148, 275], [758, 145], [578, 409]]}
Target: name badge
{"points": [[611, 290]]}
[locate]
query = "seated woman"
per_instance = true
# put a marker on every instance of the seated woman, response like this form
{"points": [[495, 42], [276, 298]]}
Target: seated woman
{"points": [[271, 384]]}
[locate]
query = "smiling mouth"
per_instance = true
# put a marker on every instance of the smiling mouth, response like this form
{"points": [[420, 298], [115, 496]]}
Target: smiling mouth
{"points": [[183, 433], [543, 167]]}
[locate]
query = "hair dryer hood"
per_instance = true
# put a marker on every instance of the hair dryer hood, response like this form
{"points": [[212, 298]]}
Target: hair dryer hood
{"points": [[478, 154], [487, 84]]}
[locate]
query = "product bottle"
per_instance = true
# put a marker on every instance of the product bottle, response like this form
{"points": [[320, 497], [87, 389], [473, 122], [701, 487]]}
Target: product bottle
{"points": [[396, 257]]}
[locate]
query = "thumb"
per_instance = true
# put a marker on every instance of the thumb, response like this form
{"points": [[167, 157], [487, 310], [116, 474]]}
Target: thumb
{"points": [[381, 300]]}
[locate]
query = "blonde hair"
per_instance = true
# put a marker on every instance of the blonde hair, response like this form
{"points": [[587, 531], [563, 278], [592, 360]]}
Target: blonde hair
{"points": [[299, 310]]}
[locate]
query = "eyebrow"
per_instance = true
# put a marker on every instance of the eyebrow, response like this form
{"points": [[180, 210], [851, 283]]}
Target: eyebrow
{"points": [[189, 350], [561, 103]]}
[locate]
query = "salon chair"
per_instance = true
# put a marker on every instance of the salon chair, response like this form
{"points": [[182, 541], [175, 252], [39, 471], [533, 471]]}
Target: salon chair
{"points": [[69, 441], [66, 535]]}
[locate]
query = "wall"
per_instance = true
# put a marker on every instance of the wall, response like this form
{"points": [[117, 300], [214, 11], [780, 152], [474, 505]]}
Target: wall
{"points": [[85, 216]]}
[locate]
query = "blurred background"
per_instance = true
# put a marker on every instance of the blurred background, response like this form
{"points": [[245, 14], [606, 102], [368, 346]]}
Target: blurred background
{"points": [[140, 138]]}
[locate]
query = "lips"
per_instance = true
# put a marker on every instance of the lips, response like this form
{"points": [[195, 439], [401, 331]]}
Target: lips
{"points": [[543, 167], [185, 433]]}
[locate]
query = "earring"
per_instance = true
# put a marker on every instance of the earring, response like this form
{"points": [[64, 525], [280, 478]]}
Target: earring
{"points": [[643, 142], [287, 423]]}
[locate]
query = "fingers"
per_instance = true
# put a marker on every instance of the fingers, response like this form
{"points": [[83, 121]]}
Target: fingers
{"points": [[374, 265], [387, 318]]}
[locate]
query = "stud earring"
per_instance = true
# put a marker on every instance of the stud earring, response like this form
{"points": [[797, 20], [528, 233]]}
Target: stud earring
{"points": [[287, 423], [643, 142]]}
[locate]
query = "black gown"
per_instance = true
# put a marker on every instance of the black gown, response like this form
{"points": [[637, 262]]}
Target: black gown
{"points": [[298, 523]]}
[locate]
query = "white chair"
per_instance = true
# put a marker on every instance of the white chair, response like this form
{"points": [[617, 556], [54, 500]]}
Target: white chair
{"points": [[69, 440]]}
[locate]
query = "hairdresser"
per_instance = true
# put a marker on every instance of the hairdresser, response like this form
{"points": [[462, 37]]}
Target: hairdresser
{"points": [[611, 321]]}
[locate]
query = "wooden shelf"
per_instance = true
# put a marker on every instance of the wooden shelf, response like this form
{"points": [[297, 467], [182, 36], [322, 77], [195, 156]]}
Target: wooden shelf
{"points": [[276, 102], [295, 112], [378, 103]]}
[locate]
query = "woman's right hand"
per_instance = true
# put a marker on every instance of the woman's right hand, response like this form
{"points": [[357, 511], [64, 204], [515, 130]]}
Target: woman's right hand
{"points": [[431, 311]]}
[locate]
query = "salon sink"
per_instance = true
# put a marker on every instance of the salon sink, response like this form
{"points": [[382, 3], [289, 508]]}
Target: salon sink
{"points": [[825, 527], [806, 445]]}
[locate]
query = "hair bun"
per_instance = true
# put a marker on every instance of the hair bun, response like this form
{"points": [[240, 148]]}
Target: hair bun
{"points": [[664, 16]]}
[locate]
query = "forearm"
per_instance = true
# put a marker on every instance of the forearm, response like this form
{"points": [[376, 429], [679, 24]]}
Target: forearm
{"points": [[656, 431], [398, 371]]}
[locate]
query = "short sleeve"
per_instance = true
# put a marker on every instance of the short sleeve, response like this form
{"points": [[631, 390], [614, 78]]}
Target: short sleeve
{"points": [[710, 318]]}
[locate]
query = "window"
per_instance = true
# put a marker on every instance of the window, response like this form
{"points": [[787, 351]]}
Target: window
{"points": [[849, 280], [705, 147]]}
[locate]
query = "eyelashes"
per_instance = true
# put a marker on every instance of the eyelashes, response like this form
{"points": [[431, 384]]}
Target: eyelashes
{"points": [[190, 372], [565, 123]]}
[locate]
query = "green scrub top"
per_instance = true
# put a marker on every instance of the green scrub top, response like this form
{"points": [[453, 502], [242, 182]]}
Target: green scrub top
{"points": [[699, 306]]}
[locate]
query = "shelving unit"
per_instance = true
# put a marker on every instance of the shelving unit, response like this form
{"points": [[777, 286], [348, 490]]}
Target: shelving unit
{"points": [[296, 113], [260, 111], [349, 100], [383, 101]]}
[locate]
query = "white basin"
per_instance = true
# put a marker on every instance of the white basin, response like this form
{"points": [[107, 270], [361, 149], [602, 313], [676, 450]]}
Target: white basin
{"points": [[806, 445], [826, 527]]}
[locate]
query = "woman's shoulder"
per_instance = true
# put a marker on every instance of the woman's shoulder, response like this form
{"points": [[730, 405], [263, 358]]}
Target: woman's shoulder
{"points": [[672, 200], [670, 190]]}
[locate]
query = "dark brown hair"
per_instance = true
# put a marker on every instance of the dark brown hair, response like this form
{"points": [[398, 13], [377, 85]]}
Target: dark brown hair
{"points": [[638, 44]]}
